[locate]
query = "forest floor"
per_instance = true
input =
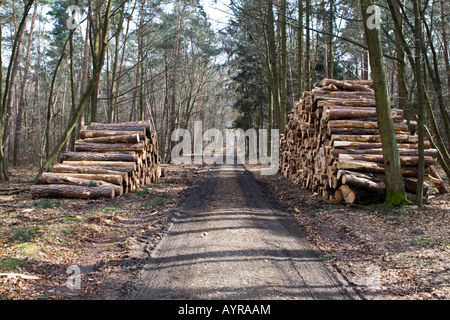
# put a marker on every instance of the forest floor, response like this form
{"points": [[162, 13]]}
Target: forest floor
{"points": [[43, 238], [405, 253]]}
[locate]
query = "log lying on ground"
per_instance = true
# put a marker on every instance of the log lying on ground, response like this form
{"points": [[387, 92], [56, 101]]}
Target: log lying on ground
{"points": [[334, 128], [53, 178], [361, 196], [71, 191], [375, 182], [434, 177]]}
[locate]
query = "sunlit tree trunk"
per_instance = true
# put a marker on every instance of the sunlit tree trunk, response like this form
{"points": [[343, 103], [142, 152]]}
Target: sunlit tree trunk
{"points": [[395, 190]]}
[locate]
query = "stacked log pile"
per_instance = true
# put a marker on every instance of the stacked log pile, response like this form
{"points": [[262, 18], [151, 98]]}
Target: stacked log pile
{"points": [[108, 160], [332, 146]]}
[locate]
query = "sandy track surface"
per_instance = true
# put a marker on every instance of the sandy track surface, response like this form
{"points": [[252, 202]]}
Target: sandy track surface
{"points": [[229, 242]]}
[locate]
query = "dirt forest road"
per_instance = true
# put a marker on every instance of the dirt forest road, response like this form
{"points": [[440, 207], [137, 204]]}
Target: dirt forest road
{"points": [[229, 242]]}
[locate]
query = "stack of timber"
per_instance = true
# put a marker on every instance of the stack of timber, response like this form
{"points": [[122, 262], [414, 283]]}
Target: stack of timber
{"points": [[108, 160], [332, 145]]}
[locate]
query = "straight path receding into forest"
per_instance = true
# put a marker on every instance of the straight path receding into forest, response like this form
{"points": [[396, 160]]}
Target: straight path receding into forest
{"points": [[229, 242]]}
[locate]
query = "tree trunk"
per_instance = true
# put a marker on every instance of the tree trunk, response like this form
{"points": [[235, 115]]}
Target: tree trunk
{"points": [[21, 106], [73, 102], [420, 99], [300, 50], [330, 40], [87, 94], [273, 65], [115, 65], [84, 76], [97, 48], [172, 119], [284, 64], [395, 190], [122, 60], [435, 77], [3, 172], [445, 43], [6, 98]]}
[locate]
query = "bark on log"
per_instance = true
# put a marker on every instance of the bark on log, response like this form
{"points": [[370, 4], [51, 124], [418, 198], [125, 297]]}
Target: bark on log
{"points": [[96, 147], [86, 134], [346, 85], [351, 131], [434, 177], [131, 165], [72, 192], [375, 182], [411, 186], [405, 160], [373, 145], [129, 138], [91, 156], [337, 112], [327, 94], [110, 178], [360, 182], [330, 130], [372, 167], [347, 103], [402, 152], [401, 138], [361, 196], [126, 126], [402, 127], [63, 168], [54, 178]]}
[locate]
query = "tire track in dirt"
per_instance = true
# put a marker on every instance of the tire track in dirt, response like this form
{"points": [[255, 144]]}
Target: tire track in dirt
{"points": [[229, 242]]}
